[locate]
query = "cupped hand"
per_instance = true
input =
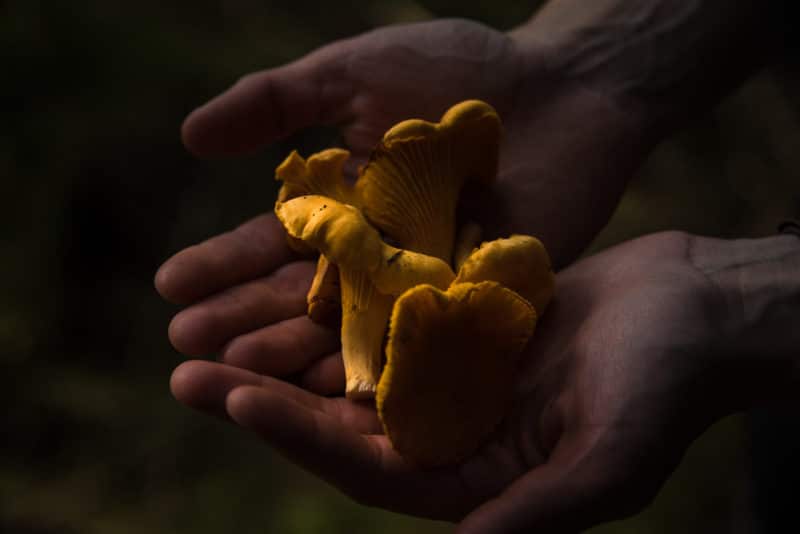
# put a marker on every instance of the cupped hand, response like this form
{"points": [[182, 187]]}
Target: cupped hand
{"points": [[616, 383]]}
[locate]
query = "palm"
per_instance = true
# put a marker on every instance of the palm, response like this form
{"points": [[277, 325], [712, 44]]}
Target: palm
{"points": [[616, 387]]}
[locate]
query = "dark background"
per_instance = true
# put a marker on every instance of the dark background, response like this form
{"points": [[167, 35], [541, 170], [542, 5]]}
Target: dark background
{"points": [[97, 191]]}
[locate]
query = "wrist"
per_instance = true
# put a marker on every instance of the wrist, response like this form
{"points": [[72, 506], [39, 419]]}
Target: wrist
{"points": [[548, 43], [758, 346], [667, 59]]}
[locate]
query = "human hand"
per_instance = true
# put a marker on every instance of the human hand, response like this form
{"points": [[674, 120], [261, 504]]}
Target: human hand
{"points": [[566, 156], [621, 375]]}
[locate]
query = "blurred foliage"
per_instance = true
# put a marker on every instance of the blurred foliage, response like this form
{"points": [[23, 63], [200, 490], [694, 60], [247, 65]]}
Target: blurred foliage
{"points": [[98, 191]]}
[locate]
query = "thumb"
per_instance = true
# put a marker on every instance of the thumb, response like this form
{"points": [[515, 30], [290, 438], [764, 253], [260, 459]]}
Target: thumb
{"points": [[577, 488], [271, 104]]}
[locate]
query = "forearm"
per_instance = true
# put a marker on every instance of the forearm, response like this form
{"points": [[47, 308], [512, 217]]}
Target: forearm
{"points": [[759, 283], [673, 58]]}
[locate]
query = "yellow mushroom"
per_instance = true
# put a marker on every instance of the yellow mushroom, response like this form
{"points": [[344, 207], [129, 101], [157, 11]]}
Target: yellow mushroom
{"points": [[409, 189], [519, 263], [321, 174], [451, 361], [371, 272]]}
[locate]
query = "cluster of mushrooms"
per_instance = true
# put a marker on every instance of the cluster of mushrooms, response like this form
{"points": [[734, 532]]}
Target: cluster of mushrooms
{"points": [[450, 318]]}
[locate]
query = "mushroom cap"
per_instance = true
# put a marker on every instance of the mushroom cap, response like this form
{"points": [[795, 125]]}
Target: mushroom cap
{"points": [[451, 362], [321, 174], [411, 185], [339, 231], [519, 262]]}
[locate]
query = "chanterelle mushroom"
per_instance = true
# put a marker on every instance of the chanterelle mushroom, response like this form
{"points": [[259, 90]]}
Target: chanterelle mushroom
{"points": [[519, 262], [451, 356], [410, 187], [451, 360], [320, 174], [371, 273]]}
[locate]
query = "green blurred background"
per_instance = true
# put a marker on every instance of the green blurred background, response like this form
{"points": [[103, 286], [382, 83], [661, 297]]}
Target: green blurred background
{"points": [[97, 191]]}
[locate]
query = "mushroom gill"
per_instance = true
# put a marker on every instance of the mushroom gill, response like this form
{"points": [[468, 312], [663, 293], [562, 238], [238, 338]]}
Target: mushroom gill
{"points": [[409, 189]]}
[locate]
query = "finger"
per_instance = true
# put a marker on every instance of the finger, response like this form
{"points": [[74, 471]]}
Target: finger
{"points": [[268, 105], [326, 376], [253, 249], [205, 385], [574, 490], [307, 437], [206, 326], [282, 348], [364, 467]]}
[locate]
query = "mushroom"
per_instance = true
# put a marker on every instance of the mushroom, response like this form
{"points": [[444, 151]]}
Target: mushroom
{"points": [[321, 174], [519, 262], [371, 271], [452, 355], [450, 366], [409, 189]]}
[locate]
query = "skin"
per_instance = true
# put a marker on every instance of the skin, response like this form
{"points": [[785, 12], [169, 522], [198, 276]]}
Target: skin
{"points": [[600, 417], [618, 379]]}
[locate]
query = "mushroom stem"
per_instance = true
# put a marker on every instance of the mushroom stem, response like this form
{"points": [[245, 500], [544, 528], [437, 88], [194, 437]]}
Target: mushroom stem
{"points": [[365, 317]]}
